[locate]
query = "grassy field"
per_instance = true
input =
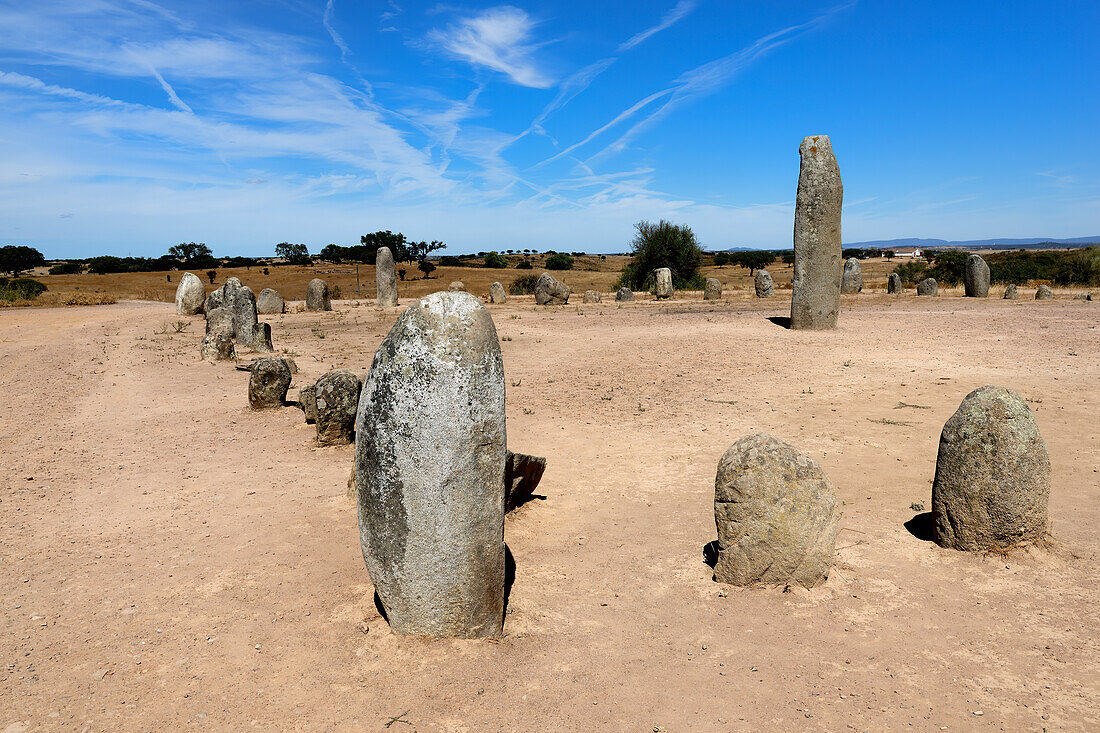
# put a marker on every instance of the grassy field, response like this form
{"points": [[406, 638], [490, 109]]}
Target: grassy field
{"points": [[589, 272]]}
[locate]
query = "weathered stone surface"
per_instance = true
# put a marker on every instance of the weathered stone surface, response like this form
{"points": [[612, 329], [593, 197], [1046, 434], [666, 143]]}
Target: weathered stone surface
{"points": [[928, 286], [430, 460], [1044, 293], [261, 338], [385, 275], [217, 346], [851, 281], [269, 301], [317, 297], [776, 513], [522, 474], [244, 316], [713, 289], [457, 286], [815, 294], [765, 286], [268, 385], [624, 294], [497, 293], [190, 295], [549, 291], [336, 396], [893, 283], [992, 479], [220, 320], [215, 300], [1011, 292], [976, 277], [663, 277], [307, 400], [591, 296]]}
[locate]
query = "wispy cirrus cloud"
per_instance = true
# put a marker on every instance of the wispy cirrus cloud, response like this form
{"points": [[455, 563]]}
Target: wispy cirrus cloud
{"points": [[498, 39], [677, 13]]}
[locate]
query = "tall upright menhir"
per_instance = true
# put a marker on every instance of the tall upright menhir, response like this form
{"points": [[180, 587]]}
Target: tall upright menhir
{"points": [[815, 297], [386, 277]]}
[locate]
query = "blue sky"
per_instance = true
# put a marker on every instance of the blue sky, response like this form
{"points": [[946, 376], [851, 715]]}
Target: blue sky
{"points": [[131, 125]]}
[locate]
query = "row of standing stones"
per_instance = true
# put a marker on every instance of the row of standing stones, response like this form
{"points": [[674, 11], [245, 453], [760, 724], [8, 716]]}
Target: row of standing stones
{"points": [[433, 472]]}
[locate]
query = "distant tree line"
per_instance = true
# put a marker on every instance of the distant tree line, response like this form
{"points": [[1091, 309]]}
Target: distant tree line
{"points": [[1061, 267]]}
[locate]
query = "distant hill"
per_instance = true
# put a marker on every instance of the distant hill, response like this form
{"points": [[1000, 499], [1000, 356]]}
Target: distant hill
{"points": [[1028, 243]]}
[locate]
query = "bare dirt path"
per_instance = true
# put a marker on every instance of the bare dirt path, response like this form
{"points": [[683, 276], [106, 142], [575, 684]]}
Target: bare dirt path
{"points": [[169, 558]]}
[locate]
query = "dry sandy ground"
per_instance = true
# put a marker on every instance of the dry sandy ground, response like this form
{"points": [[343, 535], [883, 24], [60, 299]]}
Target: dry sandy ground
{"points": [[171, 559]]}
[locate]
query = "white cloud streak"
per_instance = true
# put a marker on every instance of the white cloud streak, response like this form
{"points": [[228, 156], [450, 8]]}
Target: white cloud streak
{"points": [[498, 39], [677, 13]]}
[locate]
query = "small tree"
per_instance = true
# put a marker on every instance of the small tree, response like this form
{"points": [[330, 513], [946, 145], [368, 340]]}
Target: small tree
{"points": [[210, 275], [16, 258], [721, 259], [189, 252], [294, 254], [419, 251], [496, 261], [559, 261], [663, 244], [753, 260]]}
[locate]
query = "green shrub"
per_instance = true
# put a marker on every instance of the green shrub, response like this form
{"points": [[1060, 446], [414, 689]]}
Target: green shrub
{"points": [[496, 261], [911, 272], [948, 267], [663, 245], [524, 265], [523, 285], [451, 261], [1065, 267], [20, 288], [66, 268], [721, 259], [560, 261]]}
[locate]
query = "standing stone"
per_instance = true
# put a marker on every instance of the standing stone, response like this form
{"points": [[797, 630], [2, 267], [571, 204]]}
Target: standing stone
{"points": [[765, 286], [1011, 293], [385, 275], [664, 283], [261, 338], [548, 291], [190, 295], [851, 281], [220, 320], [307, 400], [976, 277], [592, 296], [1044, 293], [777, 515], [336, 396], [215, 300], [624, 294], [268, 385], [497, 294], [713, 289], [928, 286], [224, 296], [244, 316], [522, 474], [815, 295], [317, 298], [269, 301], [217, 346], [893, 283], [992, 480], [430, 455]]}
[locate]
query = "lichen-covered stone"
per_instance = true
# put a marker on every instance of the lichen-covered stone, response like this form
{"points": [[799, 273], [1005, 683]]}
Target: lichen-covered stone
{"points": [[992, 481], [624, 294], [457, 286], [522, 474], [269, 301], [776, 513], [317, 297], [385, 276], [497, 293], [763, 283], [430, 464], [976, 277], [336, 396], [851, 280], [893, 283], [591, 296], [268, 385], [713, 289], [815, 290], [663, 288], [220, 320], [549, 291], [1044, 293], [928, 286], [1011, 292], [307, 400], [190, 295], [244, 316], [217, 346], [261, 338]]}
